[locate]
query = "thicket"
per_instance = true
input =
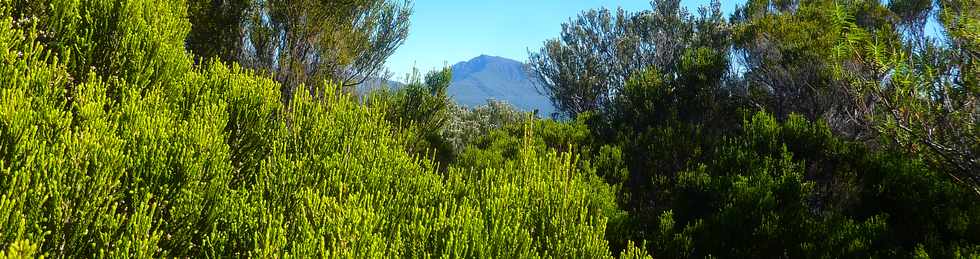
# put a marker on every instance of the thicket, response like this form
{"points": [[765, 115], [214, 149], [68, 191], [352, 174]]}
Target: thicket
{"points": [[764, 189], [300, 42], [794, 129], [113, 142]]}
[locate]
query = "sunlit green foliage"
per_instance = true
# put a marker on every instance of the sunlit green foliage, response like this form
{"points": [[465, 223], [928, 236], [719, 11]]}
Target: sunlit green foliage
{"points": [[466, 125], [420, 111], [502, 144], [113, 144]]}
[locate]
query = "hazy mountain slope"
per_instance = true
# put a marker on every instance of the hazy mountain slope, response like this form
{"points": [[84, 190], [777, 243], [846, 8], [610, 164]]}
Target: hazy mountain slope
{"points": [[377, 83], [488, 77]]}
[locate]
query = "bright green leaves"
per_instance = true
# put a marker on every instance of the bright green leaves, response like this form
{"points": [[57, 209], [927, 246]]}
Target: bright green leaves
{"points": [[139, 42], [421, 110], [125, 150], [20, 249]]}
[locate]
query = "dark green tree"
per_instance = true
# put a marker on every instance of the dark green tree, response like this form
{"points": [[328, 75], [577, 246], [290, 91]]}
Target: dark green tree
{"points": [[217, 28], [920, 93], [784, 49], [308, 42], [301, 42], [599, 51]]}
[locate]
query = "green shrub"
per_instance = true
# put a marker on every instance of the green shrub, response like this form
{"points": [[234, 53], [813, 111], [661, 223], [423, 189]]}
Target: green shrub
{"points": [[793, 189], [113, 144]]}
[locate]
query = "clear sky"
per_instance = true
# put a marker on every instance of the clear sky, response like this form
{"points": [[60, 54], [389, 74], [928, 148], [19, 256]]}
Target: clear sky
{"points": [[449, 31]]}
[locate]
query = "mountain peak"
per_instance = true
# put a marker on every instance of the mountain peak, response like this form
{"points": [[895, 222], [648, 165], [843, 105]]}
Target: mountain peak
{"points": [[479, 63], [484, 56], [491, 77]]}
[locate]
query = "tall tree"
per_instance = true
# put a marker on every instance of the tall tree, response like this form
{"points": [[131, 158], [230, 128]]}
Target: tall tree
{"points": [[307, 41], [598, 52], [920, 94], [216, 28], [302, 42], [421, 111], [783, 48]]}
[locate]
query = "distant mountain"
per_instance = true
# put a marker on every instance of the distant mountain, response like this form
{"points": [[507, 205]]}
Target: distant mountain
{"points": [[377, 83], [485, 78], [488, 77]]}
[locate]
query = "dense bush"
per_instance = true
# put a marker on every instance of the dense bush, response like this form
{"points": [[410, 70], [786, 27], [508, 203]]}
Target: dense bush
{"points": [[859, 137], [113, 144], [765, 189], [420, 112], [466, 125], [792, 189]]}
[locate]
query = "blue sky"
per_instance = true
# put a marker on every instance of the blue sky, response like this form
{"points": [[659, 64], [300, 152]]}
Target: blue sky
{"points": [[449, 31]]}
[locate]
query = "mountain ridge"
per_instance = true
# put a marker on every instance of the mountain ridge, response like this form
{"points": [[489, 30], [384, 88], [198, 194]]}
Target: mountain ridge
{"points": [[484, 78], [488, 77]]}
